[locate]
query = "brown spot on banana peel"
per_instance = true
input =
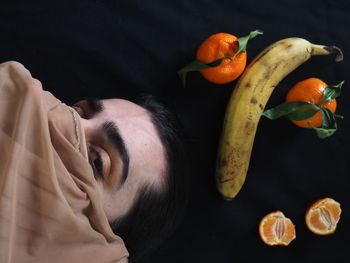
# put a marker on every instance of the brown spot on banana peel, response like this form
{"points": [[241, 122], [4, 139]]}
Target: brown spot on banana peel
{"points": [[230, 183], [266, 77], [269, 72], [227, 169], [226, 180], [249, 128], [230, 159], [256, 59], [264, 52], [253, 100], [261, 55], [250, 116]]}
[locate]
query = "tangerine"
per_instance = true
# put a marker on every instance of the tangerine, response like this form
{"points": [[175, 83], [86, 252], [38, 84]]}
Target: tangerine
{"points": [[323, 216], [311, 90], [217, 46], [276, 229]]}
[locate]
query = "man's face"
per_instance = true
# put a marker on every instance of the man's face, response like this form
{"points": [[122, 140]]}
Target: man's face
{"points": [[125, 151]]}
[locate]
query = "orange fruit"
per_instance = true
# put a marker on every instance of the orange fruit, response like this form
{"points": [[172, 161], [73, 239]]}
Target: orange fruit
{"points": [[276, 229], [323, 216], [311, 91], [218, 46]]}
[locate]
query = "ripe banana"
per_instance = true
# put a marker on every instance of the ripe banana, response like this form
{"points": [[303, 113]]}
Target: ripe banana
{"points": [[249, 98]]}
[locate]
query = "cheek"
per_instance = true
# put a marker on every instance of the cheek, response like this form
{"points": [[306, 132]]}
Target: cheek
{"points": [[117, 203], [149, 162]]}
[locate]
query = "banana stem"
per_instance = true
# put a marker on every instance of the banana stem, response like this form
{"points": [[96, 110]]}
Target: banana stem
{"points": [[326, 50]]}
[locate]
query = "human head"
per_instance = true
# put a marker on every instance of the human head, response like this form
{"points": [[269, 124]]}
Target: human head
{"points": [[147, 207]]}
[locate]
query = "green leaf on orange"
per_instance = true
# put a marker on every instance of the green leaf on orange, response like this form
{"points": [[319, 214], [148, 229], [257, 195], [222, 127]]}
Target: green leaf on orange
{"points": [[331, 92], [243, 41], [329, 125], [293, 110], [196, 66]]}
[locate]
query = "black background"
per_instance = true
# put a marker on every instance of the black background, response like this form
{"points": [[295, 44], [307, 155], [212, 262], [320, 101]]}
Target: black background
{"points": [[79, 49]]}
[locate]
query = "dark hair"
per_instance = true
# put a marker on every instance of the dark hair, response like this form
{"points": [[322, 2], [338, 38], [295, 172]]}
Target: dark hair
{"points": [[156, 213]]}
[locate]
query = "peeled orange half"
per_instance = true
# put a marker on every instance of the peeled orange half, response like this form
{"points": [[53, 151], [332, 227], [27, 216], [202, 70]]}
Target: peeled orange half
{"points": [[323, 216], [276, 229]]}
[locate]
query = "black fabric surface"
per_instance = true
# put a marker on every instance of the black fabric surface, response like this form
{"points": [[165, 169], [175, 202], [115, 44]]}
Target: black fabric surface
{"points": [[79, 49]]}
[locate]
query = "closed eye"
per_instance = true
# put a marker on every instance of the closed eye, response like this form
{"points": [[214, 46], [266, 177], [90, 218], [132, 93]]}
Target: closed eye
{"points": [[96, 162]]}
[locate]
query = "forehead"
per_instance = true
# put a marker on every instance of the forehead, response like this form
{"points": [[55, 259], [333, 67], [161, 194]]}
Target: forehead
{"points": [[120, 106], [147, 155]]}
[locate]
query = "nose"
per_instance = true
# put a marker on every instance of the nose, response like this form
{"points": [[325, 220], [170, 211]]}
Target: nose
{"points": [[87, 127]]}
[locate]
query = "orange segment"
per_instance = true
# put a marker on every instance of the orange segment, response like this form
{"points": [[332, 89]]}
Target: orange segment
{"points": [[323, 216], [276, 229]]}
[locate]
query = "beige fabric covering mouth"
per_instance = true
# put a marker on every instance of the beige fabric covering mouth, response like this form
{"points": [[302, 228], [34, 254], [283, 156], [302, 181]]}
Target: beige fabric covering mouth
{"points": [[50, 209]]}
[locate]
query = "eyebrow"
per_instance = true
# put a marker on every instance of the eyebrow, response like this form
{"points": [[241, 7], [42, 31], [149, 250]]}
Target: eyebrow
{"points": [[111, 130]]}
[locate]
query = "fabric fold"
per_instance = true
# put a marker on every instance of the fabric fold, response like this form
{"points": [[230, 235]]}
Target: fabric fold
{"points": [[50, 209]]}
